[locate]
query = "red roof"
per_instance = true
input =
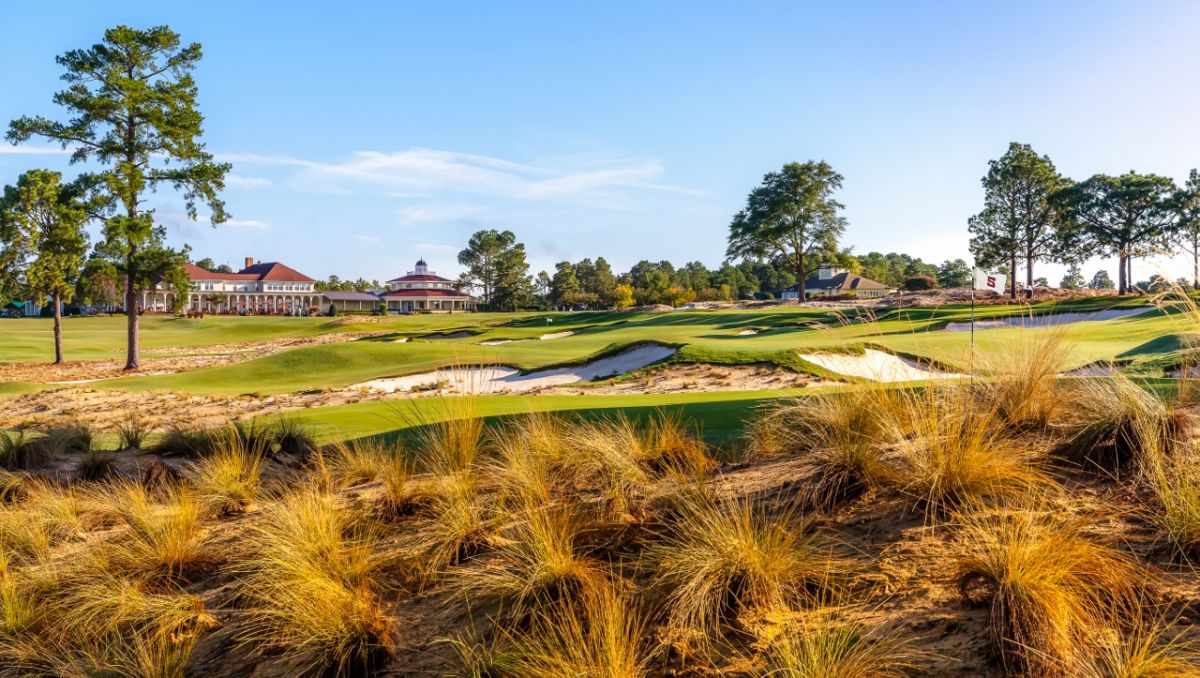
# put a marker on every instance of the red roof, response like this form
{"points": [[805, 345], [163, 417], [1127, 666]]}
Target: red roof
{"points": [[272, 271], [424, 277], [425, 293], [276, 272]]}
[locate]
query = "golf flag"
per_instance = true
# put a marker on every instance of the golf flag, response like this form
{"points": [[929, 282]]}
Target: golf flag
{"points": [[989, 281]]}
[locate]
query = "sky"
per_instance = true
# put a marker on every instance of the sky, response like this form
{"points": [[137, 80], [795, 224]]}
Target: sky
{"points": [[365, 135]]}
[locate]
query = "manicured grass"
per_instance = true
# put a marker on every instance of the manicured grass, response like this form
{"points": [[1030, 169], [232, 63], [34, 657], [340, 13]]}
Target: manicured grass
{"points": [[720, 415]]}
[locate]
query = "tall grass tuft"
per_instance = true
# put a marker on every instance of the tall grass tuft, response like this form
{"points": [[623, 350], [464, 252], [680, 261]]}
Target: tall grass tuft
{"points": [[600, 638], [462, 526], [131, 432], [71, 438], [20, 452], [315, 580], [540, 564], [608, 455], [1115, 424], [1146, 650], [1050, 588], [841, 435], [452, 443], [227, 481], [1174, 482], [958, 454], [183, 442], [356, 462], [1022, 382], [823, 649], [292, 438], [163, 542], [721, 560]]}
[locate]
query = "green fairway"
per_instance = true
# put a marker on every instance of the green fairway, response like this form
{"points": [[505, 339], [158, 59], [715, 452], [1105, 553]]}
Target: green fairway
{"points": [[721, 416], [702, 336]]}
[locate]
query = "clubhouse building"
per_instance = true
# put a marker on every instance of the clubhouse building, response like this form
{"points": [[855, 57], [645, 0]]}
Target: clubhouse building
{"points": [[272, 288], [423, 290]]}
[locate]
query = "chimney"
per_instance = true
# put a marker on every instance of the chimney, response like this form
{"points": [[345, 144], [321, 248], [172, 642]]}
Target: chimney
{"points": [[249, 262]]}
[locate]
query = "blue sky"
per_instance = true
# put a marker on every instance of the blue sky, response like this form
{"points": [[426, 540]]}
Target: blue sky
{"points": [[364, 135]]}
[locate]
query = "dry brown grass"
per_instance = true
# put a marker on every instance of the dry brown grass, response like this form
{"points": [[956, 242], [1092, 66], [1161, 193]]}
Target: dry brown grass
{"points": [[228, 480], [959, 453], [1022, 378], [1051, 589], [722, 560], [1114, 425], [163, 540], [540, 563], [602, 637], [314, 583], [822, 648]]}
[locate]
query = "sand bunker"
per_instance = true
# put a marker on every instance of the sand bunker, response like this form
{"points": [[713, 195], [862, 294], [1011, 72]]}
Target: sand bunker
{"points": [[496, 342], [749, 331], [876, 366], [500, 379], [556, 335], [1049, 320]]}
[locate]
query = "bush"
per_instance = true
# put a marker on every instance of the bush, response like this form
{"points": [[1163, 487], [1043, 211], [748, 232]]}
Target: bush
{"points": [[915, 283]]}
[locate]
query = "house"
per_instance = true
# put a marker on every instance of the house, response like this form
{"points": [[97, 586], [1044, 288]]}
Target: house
{"points": [[423, 290], [259, 288], [833, 281]]}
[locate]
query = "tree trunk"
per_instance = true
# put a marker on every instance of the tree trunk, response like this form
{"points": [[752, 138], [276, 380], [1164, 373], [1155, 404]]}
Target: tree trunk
{"points": [[1012, 277], [1029, 271], [1196, 269], [1129, 272], [800, 275], [56, 300], [131, 321], [1121, 273]]}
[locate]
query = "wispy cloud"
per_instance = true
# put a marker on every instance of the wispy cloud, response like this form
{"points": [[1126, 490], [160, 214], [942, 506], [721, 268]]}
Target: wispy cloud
{"points": [[246, 223], [238, 181], [437, 213], [423, 171], [368, 238]]}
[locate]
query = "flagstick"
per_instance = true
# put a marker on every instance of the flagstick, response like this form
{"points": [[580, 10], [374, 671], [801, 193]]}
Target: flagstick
{"points": [[971, 359]]}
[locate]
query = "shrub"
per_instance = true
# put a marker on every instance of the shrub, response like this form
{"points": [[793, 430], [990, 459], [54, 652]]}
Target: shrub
{"points": [[1050, 588], [723, 560], [915, 283]]}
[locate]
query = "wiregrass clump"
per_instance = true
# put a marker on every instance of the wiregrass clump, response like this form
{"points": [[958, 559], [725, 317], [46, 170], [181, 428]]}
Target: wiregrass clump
{"points": [[228, 480], [1115, 425], [722, 560], [1051, 589], [163, 540], [600, 637], [540, 563], [314, 584], [841, 436], [958, 453], [824, 649]]}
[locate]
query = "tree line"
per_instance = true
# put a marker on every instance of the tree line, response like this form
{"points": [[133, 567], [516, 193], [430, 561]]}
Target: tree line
{"points": [[1032, 213]]}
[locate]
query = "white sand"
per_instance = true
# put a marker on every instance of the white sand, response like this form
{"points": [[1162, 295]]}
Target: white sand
{"points": [[1046, 320], [556, 335], [747, 332], [876, 366], [500, 379]]}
